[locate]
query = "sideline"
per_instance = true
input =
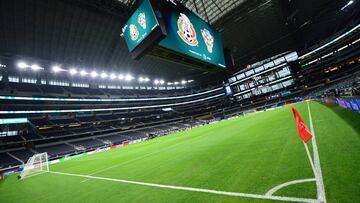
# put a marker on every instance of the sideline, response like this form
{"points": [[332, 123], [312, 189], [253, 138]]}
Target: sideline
{"points": [[320, 181], [218, 192]]}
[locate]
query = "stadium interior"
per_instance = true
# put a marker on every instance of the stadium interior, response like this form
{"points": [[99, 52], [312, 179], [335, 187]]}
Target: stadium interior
{"points": [[69, 84]]}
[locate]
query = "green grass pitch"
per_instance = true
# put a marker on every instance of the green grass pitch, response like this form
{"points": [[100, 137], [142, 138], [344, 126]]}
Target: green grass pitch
{"points": [[250, 154]]}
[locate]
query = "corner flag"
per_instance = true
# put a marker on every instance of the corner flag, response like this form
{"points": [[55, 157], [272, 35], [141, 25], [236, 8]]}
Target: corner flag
{"points": [[304, 133]]}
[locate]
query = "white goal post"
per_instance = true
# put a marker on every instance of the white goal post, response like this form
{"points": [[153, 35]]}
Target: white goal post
{"points": [[36, 165]]}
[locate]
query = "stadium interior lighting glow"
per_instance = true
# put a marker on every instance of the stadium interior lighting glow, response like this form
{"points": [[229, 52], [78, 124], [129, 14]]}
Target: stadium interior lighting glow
{"points": [[183, 82], [112, 76], [72, 71], [128, 77], [22, 65], [35, 67], [56, 69], [94, 74], [142, 79], [83, 72], [104, 75], [176, 83], [162, 82], [170, 83], [348, 4], [121, 76], [156, 82]]}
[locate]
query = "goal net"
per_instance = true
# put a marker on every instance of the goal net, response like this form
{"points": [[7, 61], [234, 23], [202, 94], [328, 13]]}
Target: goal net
{"points": [[37, 164]]}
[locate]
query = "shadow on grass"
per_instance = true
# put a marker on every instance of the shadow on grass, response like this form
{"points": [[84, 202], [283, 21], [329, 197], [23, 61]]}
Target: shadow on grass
{"points": [[352, 118]]}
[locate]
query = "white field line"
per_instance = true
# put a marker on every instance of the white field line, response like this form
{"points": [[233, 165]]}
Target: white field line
{"points": [[29, 176], [218, 192], [320, 180], [276, 188]]}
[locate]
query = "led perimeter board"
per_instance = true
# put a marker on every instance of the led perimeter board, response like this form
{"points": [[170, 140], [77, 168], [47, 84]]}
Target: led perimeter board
{"points": [[188, 34], [142, 30]]}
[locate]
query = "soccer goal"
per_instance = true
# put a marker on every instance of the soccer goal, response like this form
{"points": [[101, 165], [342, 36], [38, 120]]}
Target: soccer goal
{"points": [[36, 165]]}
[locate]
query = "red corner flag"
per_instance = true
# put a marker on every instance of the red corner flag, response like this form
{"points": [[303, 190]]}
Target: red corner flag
{"points": [[304, 133]]}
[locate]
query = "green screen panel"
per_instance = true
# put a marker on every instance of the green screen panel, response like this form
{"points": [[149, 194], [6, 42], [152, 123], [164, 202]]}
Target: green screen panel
{"points": [[140, 25], [189, 34]]}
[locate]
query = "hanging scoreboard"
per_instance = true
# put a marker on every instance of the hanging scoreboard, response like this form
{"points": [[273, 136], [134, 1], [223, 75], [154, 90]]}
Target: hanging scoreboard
{"points": [[167, 29], [188, 34]]}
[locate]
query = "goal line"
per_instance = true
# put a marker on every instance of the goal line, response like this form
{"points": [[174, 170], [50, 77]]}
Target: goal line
{"points": [[218, 192]]}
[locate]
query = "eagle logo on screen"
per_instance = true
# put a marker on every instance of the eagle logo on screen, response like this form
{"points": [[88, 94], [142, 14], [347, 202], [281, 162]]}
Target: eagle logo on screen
{"points": [[142, 20], [186, 30], [134, 32], [208, 39]]}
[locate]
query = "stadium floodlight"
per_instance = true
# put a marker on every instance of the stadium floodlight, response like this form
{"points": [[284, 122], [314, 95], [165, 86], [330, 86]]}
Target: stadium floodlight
{"points": [[170, 83], [190, 81], [56, 69], [142, 79], [156, 82], [162, 82], [72, 71], [176, 83], [104, 75], [121, 76], [35, 67], [112, 76], [128, 77], [83, 73], [94, 74], [22, 65], [183, 82]]}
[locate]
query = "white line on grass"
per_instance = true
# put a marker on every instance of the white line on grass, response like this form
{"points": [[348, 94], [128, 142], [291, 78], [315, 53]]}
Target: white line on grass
{"points": [[276, 188], [236, 194], [320, 181]]}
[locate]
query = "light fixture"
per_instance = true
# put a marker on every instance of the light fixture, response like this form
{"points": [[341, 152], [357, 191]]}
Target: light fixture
{"points": [[104, 75], [141, 79], [146, 79], [56, 69], [128, 77], [35, 67], [112, 76], [83, 73], [72, 71], [121, 76], [183, 82], [22, 65], [176, 83], [156, 82], [94, 74], [161, 82]]}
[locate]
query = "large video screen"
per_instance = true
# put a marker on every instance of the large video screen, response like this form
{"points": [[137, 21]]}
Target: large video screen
{"points": [[140, 25], [189, 34]]}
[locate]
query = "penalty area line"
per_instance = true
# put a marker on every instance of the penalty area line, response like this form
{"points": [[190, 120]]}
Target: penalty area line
{"points": [[218, 192]]}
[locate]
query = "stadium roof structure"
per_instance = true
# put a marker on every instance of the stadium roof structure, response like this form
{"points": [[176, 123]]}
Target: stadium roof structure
{"points": [[86, 33]]}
